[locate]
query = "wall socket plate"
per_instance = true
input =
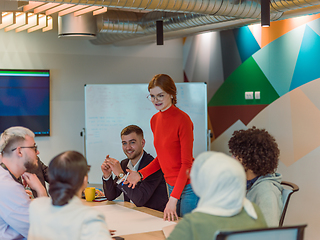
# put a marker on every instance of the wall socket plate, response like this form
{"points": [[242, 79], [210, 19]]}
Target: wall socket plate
{"points": [[248, 95], [257, 95]]}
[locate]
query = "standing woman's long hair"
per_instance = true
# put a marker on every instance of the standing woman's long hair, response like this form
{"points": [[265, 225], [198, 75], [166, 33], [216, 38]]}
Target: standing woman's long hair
{"points": [[66, 175], [166, 83]]}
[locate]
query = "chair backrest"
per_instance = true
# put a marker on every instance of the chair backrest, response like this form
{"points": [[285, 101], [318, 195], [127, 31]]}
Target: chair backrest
{"points": [[286, 194], [279, 233]]}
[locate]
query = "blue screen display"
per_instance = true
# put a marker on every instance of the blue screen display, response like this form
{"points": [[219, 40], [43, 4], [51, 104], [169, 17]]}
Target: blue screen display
{"points": [[25, 100]]}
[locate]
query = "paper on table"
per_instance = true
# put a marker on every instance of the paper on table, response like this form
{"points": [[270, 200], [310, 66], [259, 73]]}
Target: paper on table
{"points": [[128, 221], [167, 230]]}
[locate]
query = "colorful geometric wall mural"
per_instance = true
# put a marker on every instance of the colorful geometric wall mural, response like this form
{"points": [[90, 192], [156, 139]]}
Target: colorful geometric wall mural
{"points": [[277, 62], [295, 124]]}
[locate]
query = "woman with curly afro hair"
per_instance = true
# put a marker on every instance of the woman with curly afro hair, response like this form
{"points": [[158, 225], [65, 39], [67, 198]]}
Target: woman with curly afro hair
{"points": [[258, 152]]}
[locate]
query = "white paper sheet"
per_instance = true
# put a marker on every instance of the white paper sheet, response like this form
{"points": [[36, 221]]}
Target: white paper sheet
{"points": [[128, 221]]}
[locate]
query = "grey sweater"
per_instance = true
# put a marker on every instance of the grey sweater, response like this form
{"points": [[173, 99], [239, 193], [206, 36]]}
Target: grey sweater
{"points": [[266, 193]]}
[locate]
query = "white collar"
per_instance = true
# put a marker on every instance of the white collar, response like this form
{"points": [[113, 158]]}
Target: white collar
{"points": [[135, 167]]}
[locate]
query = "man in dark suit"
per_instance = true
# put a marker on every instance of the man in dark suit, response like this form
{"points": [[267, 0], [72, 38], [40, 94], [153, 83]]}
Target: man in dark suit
{"points": [[152, 191]]}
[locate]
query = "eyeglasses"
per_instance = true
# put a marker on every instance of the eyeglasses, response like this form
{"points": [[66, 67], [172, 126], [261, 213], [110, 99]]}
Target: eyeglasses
{"points": [[35, 147], [159, 97]]}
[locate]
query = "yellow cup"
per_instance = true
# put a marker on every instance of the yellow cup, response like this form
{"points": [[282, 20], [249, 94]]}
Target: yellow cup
{"points": [[90, 193]]}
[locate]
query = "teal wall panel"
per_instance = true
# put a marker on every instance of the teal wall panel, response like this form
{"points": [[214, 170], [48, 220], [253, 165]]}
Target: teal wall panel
{"points": [[315, 26], [246, 42], [307, 67], [278, 59]]}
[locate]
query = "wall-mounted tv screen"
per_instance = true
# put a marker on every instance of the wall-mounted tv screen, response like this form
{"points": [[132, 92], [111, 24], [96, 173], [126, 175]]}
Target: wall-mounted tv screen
{"points": [[25, 99]]}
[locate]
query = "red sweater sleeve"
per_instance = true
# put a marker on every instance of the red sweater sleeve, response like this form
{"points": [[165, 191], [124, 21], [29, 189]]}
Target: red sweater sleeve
{"points": [[186, 142], [150, 168]]}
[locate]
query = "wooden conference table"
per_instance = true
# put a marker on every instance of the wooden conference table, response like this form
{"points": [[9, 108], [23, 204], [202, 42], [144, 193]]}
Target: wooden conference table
{"points": [[155, 235]]}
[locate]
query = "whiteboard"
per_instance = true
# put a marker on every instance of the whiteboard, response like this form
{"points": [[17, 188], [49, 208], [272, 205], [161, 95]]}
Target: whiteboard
{"points": [[111, 107]]}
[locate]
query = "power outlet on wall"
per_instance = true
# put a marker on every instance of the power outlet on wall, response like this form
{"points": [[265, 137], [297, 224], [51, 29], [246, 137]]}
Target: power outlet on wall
{"points": [[248, 95], [257, 95]]}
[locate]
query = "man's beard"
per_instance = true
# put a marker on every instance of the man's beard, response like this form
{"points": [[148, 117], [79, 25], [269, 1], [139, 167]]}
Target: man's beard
{"points": [[136, 154], [30, 166]]}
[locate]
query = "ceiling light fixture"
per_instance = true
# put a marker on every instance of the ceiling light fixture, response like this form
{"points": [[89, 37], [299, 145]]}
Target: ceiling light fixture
{"points": [[71, 10], [159, 28], [33, 20], [6, 19], [35, 15], [20, 21], [63, 8], [86, 10], [265, 13], [99, 11], [45, 7], [32, 5], [45, 23]]}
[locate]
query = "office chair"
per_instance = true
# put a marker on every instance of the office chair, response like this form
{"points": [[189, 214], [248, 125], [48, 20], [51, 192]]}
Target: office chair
{"points": [[279, 233], [286, 194]]}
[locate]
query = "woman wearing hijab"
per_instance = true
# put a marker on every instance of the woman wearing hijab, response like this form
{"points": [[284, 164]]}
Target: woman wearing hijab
{"points": [[220, 182]]}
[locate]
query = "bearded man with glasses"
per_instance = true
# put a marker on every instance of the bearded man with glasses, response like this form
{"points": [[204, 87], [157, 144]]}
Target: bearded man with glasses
{"points": [[18, 157]]}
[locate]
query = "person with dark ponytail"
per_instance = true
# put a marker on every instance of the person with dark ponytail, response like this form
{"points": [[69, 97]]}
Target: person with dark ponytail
{"points": [[64, 216]]}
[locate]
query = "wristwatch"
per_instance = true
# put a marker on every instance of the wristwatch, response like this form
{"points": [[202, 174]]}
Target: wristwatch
{"points": [[121, 175]]}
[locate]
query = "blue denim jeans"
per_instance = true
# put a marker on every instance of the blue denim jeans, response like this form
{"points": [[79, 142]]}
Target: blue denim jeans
{"points": [[187, 202]]}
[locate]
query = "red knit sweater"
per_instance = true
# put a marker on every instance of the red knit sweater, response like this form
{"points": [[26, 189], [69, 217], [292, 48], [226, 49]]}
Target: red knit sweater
{"points": [[173, 141]]}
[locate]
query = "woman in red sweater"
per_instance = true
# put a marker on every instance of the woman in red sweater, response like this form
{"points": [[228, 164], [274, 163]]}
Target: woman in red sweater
{"points": [[173, 140]]}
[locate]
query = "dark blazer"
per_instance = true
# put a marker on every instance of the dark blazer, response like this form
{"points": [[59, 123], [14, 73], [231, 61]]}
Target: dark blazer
{"points": [[151, 192]]}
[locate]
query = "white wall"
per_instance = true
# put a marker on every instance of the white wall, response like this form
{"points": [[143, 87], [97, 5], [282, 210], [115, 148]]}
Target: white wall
{"points": [[74, 63]]}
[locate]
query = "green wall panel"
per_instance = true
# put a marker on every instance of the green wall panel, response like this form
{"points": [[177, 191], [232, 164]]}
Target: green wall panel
{"points": [[246, 78]]}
